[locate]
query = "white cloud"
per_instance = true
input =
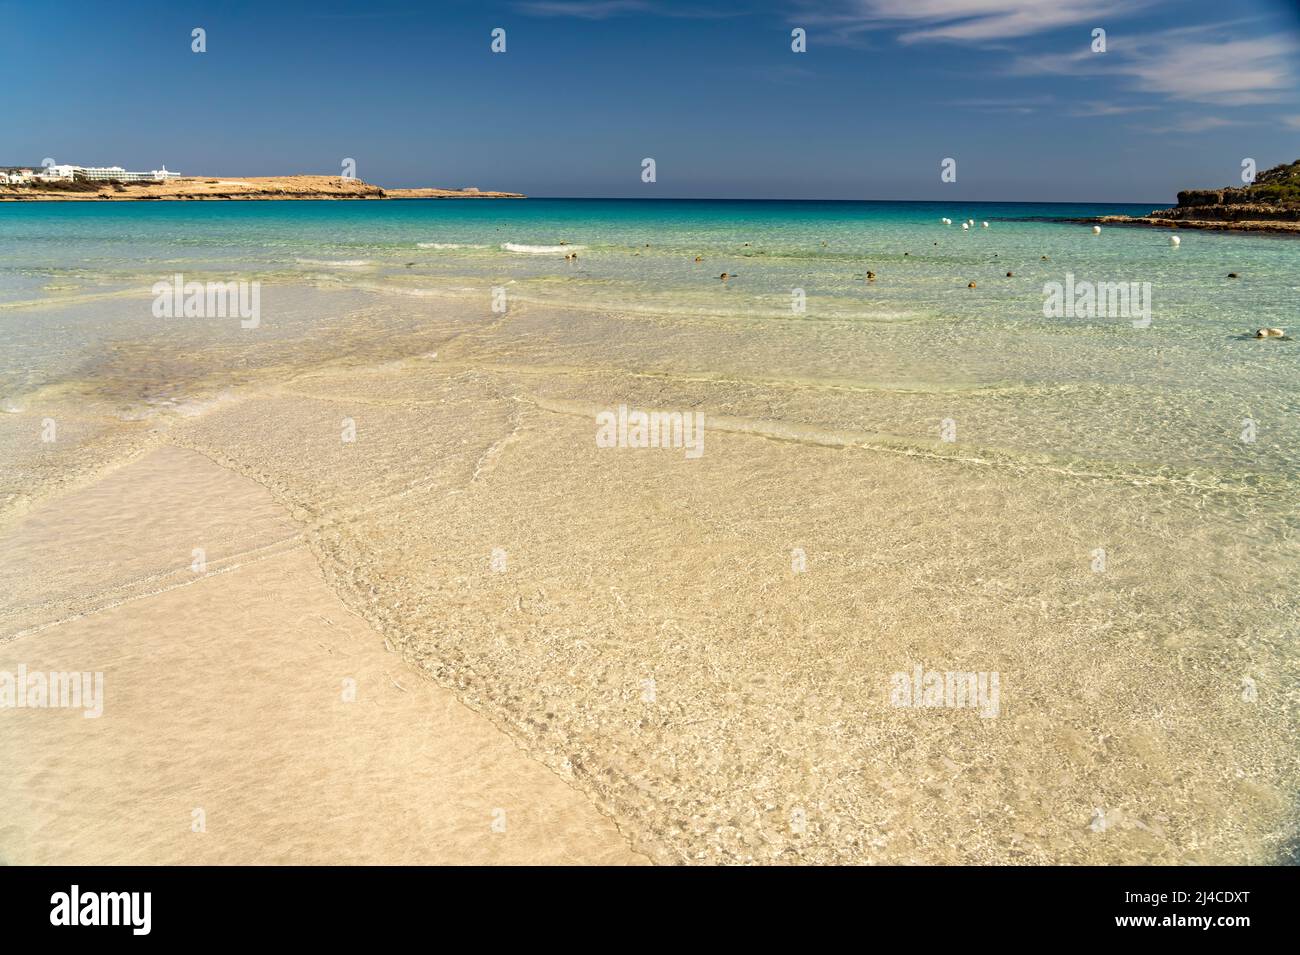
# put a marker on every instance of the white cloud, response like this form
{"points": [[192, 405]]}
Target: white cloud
{"points": [[605, 9], [1201, 65], [1195, 124], [598, 10], [975, 20], [1220, 64], [1226, 72], [1021, 104], [1108, 109]]}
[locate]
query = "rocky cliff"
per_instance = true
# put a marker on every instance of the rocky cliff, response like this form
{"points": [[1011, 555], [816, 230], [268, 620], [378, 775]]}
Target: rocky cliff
{"points": [[1274, 196]]}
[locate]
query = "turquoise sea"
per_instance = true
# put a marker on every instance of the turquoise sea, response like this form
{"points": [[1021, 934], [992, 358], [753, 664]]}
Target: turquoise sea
{"points": [[639, 252], [79, 272]]}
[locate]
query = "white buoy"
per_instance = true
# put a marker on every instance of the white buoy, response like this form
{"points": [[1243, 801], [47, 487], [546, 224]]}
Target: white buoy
{"points": [[1175, 241], [1096, 230], [947, 221], [965, 226], [985, 224]]}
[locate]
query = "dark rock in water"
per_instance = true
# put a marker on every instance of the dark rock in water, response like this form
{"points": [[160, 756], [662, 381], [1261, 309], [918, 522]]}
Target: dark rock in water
{"points": [[871, 276], [1008, 275], [1232, 275]]}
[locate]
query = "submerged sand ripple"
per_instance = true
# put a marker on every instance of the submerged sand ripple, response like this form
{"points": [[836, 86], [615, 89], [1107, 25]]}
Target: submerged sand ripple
{"points": [[649, 639], [1120, 691]]}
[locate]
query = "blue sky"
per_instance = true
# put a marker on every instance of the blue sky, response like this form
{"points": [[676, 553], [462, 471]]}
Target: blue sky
{"points": [[887, 89]]}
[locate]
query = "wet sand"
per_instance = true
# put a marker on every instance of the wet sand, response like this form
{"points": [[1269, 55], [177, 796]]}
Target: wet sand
{"points": [[224, 704], [640, 622]]}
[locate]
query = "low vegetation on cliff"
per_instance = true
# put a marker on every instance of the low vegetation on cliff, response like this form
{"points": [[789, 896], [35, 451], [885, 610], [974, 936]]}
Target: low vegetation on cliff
{"points": [[1273, 196], [1269, 204]]}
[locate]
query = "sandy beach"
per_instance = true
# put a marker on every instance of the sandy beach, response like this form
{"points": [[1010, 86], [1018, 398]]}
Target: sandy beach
{"points": [[225, 736]]}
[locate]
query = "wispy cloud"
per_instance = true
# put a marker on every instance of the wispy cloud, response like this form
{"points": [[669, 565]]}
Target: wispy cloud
{"points": [[1223, 64], [1196, 124], [594, 10], [1024, 104], [979, 21], [1291, 122], [1108, 109], [1201, 65], [606, 9], [1227, 72]]}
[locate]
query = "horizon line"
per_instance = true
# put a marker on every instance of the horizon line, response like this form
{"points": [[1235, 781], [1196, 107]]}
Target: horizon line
{"points": [[1036, 202]]}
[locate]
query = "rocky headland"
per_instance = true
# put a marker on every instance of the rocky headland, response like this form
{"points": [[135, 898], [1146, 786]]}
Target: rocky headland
{"points": [[250, 187], [1270, 204]]}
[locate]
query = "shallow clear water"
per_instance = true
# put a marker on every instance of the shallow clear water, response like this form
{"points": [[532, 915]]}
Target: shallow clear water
{"points": [[1122, 688], [648, 247], [640, 254], [75, 273]]}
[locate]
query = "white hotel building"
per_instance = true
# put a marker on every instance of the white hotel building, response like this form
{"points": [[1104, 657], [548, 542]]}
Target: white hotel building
{"points": [[63, 173]]}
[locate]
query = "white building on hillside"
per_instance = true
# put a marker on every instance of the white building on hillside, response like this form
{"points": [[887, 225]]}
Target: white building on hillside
{"points": [[63, 173], [118, 174], [57, 173]]}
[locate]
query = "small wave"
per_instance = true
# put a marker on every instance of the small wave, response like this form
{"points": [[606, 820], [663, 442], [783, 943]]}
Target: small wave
{"points": [[540, 249], [448, 245], [335, 263]]}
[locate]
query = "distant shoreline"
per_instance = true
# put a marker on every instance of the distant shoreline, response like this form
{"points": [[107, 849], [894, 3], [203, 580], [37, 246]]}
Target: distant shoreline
{"points": [[211, 188]]}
